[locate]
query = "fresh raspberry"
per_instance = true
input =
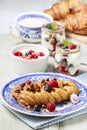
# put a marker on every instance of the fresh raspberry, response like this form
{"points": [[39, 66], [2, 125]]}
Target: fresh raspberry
{"points": [[62, 68], [18, 53], [73, 46], [51, 106], [31, 51], [53, 83], [34, 56], [41, 54]]}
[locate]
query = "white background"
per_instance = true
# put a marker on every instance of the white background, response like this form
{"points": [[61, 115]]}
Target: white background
{"points": [[9, 9]]}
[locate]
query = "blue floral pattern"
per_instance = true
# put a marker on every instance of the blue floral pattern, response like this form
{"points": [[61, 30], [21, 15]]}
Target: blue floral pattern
{"points": [[61, 109], [31, 33]]}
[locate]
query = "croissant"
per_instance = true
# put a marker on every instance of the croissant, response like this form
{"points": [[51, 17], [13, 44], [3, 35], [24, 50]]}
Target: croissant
{"points": [[59, 10], [73, 13], [76, 23], [32, 93]]}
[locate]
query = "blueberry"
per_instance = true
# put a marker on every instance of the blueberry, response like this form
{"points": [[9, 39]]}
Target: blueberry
{"points": [[65, 47], [27, 53], [37, 108], [48, 27], [63, 61], [47, 39], [47, 88], [30, 52], [71, 65]]}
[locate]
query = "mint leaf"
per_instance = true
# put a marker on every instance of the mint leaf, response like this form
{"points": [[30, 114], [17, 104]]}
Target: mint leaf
{"points": [[53, 26], [66, 43]]}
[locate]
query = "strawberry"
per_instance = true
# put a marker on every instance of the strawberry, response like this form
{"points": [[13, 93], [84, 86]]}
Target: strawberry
{"points": [[51, 106], [53, 83], [72, 46]]}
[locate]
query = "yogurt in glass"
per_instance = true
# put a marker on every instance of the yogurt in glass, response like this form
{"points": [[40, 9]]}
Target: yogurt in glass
{"points": [[67, 58], [53, 33]]}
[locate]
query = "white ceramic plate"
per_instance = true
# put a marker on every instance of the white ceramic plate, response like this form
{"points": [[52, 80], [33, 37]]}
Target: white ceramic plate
{"points": [[62, 108]]}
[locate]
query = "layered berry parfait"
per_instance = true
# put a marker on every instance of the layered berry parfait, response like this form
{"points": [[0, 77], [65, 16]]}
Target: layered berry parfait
{"points": [[67, 60], [52, 34]]}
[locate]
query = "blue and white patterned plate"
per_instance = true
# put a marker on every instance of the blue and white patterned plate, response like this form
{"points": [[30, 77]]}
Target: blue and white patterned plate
{"points": [[62, 108]]}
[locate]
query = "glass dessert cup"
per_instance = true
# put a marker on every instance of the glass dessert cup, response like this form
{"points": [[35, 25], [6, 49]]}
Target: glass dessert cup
{"points": [[67, 59], [53, 33]]}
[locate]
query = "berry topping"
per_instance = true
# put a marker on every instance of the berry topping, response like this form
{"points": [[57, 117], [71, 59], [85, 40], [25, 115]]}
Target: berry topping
{"points": [[67, 44], [65, 47], [18, 53], [63, 61], [51, 107], [37, 108], [74, 98], [62, 68], [47, 88], [34, 56], [53, 26], [53, 83], [71, 65], [29, 55], [41, 54], [73, 46], [31, 51]]}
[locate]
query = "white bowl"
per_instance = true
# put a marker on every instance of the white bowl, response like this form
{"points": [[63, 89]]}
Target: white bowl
{"points": [[23, 66], [29, 25]]}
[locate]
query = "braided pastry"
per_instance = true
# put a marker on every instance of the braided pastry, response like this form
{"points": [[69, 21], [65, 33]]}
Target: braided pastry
{"points": [[31, 93]]}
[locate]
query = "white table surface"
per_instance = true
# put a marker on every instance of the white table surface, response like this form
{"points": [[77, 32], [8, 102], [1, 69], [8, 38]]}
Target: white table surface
{"points": [[8, 10]]}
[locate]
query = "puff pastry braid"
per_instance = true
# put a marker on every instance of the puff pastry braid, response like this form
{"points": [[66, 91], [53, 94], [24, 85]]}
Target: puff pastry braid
{"points": [[30, 93]]}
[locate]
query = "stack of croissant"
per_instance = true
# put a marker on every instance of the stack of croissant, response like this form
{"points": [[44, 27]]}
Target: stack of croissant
{"points": [[73, 13]]}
